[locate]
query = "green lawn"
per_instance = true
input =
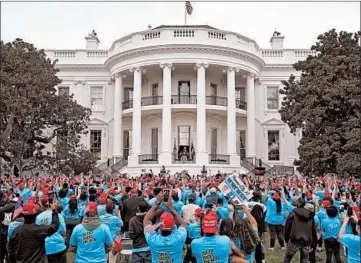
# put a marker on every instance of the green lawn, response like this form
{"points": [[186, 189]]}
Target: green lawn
{"points": [[275, 256]]}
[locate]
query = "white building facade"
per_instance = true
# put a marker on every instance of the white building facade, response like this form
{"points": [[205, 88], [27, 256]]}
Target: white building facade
{"points": [[183, 97]]}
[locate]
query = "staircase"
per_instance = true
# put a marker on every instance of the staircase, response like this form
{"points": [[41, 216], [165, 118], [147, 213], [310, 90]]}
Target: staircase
{"points": [[270, 171], [111, 166]]}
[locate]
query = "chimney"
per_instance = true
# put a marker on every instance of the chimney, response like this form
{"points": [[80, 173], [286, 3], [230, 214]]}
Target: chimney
{"points": [[92, 41], [149, 27], [277, 40]]}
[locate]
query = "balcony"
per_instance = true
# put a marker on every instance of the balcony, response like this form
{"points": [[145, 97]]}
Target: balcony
{"points": [[154, 100], [240, 104], [218, 159], [128, 104], [184, 99], [214, 100], [148, 159]]}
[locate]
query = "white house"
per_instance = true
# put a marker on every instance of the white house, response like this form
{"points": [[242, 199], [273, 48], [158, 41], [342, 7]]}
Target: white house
{"points": [[183, 97]]}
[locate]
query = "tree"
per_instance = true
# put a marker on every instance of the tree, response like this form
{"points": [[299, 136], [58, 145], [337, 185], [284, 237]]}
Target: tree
{"points": [[31, 113], [325, 104]]}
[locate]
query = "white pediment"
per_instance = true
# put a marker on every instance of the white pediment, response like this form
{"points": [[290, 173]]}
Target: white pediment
{"points": [[96, 121], [273, 121]]}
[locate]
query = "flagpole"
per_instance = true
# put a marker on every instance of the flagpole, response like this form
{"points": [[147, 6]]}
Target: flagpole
{"points": [[185, 13]]}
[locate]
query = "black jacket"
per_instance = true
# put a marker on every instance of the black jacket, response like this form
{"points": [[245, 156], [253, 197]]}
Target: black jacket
{"points": [[27, 243], [129, 210], [136, 231], [6, 214], [300, 227]]}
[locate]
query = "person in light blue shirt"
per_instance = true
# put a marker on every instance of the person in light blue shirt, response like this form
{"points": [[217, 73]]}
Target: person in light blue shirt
{"points": [[112, 221], [177, 204], [73, 216], [330, 228], [63, 199], [166, 245], [351, 241], [24, 192], [91, 240], [221, 211], [211, 247], [274, 219], [55, 244]]}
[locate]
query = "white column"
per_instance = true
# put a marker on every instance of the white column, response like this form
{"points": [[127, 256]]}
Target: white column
{"points": [[137, 117], [231, 116], [165, 157], [118, 94], [251, 118], [201, 152]]}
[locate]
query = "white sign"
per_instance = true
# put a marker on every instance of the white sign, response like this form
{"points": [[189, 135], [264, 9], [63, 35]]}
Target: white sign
{"points": [[235, 188]]}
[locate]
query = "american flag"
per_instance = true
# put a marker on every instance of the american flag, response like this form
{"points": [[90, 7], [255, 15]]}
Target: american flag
{"points": [[189, 7], [18, 211], [153, 228]]}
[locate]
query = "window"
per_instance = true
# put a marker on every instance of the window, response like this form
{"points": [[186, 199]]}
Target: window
{"points": [[240, 94], [96, 98], [63, 91], [128, 94], [155, 90], [184, 135], [96, 142], [127, 143], [273, 145], [154, 141], [214, 141], [241, 144], [272, 98], [213, 89], [184, 88]]}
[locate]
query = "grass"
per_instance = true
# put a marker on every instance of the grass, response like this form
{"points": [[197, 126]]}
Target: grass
{"points": [[275, 256]]}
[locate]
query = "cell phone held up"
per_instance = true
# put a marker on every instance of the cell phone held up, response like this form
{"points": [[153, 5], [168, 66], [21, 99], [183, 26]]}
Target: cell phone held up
{"points": [[166, 193]]}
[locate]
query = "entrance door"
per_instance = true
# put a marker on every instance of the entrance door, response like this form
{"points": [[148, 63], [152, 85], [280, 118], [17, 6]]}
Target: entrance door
{"points": [[184, 140], [154, 141], [184, 92], [127, 143], [213, 94]]}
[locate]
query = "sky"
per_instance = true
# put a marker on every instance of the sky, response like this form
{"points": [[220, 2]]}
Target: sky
{"points": [[51, 25]]}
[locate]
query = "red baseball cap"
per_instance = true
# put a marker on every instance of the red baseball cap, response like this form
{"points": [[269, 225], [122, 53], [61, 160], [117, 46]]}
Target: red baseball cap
{"points": [[92, 207], [21, 185], [199, 212], [276, 196], [30, 209], [326, 203], [275, 186], [357, 187], [103, 198], [72, 197], [357, 211], [309, 196], [327, 195], [112, 191], [209, 223], [32, 199], [168, 221]]}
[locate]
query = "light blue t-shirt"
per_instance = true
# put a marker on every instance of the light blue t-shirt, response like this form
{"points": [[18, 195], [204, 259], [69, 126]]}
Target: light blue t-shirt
{"points": [[113, 222], [102, 210], [222, 212], [272, 217], [194, 230], [90, 243], [213, 249], [55, 243], [178, 207], [64, 201], [25, 194], [330, 227], [166, 249], [68, 215], [12, 226], [83, 203], [352, 242]]}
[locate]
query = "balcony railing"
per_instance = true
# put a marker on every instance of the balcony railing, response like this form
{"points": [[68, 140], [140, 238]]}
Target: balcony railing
{"points": [[148, 159], [128, 104], [240, 104], [218, 159], [184, 99], [214, 100], [154, 100]]}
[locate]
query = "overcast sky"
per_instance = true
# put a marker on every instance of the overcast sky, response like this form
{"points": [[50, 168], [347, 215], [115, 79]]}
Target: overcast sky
{"points": [[64, 25]]}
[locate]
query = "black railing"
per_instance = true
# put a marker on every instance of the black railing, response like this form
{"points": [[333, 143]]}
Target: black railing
{"points": [[214, 100], [184, 99], [148, 158], [128, 104], [219, 159], [155, 100], [240, 104]]}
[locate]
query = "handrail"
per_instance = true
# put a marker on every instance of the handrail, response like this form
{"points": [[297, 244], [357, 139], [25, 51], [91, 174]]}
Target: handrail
{"points": [[240, 104], [214, 100], [154, 100], [128, 104], [184, 99]]}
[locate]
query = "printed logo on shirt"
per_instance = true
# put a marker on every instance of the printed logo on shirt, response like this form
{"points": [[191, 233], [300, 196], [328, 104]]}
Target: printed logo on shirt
{"points": [[88, 238], [164, 258], [7, 219], [208, 256], [44, 222]]}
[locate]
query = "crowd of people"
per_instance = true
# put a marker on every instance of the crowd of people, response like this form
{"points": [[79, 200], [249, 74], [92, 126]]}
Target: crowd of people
{"points": [[178, 218]]}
